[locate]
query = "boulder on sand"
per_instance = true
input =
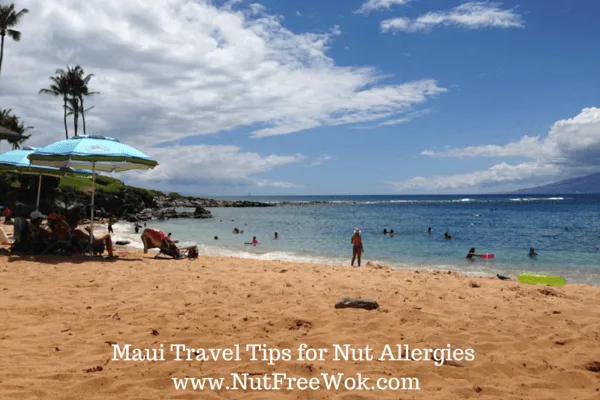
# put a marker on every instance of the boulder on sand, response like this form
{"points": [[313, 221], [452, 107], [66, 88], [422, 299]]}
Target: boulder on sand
{"points": [[348, 302]]}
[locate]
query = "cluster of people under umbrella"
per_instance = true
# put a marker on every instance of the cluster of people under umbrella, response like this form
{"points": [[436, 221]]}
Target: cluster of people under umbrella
{"points": [[61, 234]]}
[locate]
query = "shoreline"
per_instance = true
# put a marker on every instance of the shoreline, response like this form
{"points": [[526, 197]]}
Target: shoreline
{"points": [[530, 342], [480, 268]]}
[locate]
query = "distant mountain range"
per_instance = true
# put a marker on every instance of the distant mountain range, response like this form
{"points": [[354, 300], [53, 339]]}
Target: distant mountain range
{"points": [[589, 184]]}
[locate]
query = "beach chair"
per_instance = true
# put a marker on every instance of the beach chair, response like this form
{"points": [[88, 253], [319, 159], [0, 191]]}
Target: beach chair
{"points": [[4, 238], [22, 243], [62, 240]]}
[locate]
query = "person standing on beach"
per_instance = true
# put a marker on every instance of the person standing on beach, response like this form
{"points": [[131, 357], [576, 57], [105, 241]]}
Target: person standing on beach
{"points": [[357, 246], [110, 229]]}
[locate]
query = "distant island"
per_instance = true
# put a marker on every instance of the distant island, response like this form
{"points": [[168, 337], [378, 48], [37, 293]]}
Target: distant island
{"points": [[589, 184]]}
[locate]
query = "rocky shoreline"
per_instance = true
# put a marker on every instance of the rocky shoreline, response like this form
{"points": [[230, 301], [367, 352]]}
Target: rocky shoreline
{"points": [[166, 207], [125, 203]]}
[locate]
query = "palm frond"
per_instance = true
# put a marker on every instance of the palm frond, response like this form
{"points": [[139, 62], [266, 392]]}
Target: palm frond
{"points": [[14, 35]]}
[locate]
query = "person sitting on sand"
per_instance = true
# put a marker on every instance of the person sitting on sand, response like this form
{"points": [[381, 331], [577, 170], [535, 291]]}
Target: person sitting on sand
{"points": [[472, 253], [99, 241], [357, 246], [54, 217], [532, 252], [275, 235], [35, 225], [447, 235]]}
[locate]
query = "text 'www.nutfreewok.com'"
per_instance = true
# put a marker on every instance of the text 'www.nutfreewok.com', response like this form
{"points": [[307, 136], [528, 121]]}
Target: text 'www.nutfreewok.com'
{"points": [[281, 381]]}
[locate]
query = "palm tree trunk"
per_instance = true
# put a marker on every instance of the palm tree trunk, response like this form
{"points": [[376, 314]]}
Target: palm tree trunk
{"points": [[75, 121], [1, 52], [82, 114], [65, 117]]}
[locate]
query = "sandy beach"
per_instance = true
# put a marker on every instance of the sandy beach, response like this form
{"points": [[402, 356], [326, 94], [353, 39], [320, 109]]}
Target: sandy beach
{"points": [[61, 318]]}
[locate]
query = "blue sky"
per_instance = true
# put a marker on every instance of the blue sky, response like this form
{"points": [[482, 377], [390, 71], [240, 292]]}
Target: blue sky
{"points": [[495, 73]]}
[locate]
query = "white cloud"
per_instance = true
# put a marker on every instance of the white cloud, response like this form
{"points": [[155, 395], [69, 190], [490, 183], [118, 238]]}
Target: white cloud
{"points": [[203, 165], [374, 5], [472, 15], [298, 14], [320, 160], [170, 69], [409, 117], [571, 148], [526, 147]]}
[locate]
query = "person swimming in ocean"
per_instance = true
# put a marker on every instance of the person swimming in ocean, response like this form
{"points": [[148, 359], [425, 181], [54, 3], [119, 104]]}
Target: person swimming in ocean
{"points": [[385, 232], [472, 253], [254, 241], [532, 253], [392, 232], [429, 230], [275, 236], [447, 235], [357, 247]]}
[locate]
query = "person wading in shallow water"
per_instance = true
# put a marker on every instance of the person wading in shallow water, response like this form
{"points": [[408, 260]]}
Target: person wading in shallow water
{"points": [[357, 246]]}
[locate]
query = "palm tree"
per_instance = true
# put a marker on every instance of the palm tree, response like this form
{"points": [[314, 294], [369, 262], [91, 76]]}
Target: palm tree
{"points": [[9, 18], [15, 124], [60, 87], [79, 89], [72, 86]]}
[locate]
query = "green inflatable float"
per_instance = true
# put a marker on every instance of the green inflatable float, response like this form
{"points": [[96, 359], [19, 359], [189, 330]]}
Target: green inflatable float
{"points": [[548, 280]]}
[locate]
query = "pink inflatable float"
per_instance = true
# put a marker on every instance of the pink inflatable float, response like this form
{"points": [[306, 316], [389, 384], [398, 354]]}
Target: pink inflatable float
{"points": [[487, 256]]}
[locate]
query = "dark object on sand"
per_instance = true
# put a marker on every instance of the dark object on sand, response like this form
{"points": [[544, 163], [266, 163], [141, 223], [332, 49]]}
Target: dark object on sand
{"points": [[502, 278], [122, 242], [366, 304]]}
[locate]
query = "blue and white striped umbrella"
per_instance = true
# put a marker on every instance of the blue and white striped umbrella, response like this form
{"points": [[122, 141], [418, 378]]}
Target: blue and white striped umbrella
{"points": [[18, 161], [98, 153]]}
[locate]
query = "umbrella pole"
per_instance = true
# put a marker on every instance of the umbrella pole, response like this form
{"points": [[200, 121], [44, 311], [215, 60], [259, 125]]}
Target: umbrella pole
{"points": [[37, 203], [93, 194]]}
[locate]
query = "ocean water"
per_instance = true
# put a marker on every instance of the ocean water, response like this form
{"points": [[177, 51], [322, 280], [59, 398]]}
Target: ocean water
{"points": [[564, 230]]}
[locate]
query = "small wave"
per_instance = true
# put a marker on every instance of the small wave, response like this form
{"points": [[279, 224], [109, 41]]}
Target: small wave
{"points": [[538, 199]]}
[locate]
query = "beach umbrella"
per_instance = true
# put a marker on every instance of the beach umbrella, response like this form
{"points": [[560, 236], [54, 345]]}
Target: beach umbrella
{"points": [[18, 161], [98, 153]]}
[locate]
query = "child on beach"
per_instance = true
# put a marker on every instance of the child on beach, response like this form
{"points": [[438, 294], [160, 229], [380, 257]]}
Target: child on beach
{"points": [[254, 241], [357, 246]]}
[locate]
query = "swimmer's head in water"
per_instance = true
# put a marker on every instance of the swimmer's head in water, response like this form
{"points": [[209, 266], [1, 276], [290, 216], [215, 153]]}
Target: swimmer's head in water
{"points": [[472, 250], [356, 230]]}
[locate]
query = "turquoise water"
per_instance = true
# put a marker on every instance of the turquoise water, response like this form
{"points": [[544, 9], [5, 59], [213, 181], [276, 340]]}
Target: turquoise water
{"points": [[565, 231]]}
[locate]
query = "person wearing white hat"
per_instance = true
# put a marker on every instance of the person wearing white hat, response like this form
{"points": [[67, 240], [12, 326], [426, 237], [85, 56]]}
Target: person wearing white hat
{"points": [[357, 246]]}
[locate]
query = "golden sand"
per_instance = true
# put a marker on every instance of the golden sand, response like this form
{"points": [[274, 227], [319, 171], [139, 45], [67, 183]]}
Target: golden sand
{"points": [[59, 318]]}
